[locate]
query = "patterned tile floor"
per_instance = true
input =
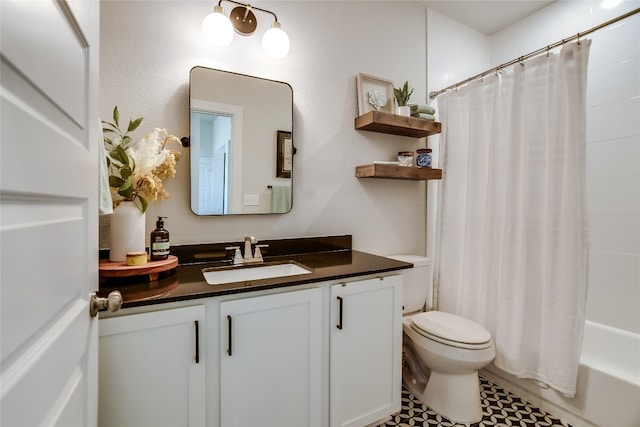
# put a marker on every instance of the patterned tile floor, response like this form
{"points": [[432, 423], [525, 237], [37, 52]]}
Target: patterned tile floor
{"points": [[499, 408]]}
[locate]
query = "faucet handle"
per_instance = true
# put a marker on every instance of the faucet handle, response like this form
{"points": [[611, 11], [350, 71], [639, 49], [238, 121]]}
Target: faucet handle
{"points": [[237, 256], [258, 253]]}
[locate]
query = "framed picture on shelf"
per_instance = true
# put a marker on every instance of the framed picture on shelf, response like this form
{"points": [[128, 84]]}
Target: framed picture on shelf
{"points": [[374, 94], [284, 154]]}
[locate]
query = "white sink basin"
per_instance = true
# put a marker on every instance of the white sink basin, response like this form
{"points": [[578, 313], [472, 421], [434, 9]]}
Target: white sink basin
{"points": [[243, 273]]}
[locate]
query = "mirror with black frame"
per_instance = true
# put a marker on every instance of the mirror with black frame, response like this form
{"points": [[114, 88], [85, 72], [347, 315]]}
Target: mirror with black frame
{"points": [[241, 143]]}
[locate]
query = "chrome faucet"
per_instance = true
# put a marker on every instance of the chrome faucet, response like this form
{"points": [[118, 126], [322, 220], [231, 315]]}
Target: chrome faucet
{"points": [[248, 249], [249, 255]]}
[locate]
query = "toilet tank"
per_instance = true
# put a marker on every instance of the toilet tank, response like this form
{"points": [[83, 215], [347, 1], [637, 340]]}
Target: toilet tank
{"points": [[416, 287]]}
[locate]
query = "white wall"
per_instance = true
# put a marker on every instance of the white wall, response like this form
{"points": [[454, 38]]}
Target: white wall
{"points": [[613, 176], [148, 48], [613, 165]]}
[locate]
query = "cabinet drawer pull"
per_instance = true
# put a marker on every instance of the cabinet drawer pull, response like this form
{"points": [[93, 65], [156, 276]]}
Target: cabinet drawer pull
{"points": [[197, 327], [229, 339], [339, 325]]}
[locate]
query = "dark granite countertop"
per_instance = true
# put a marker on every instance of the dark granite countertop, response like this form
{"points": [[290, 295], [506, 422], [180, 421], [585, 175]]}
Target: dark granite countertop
{"points": [[329, 258]]}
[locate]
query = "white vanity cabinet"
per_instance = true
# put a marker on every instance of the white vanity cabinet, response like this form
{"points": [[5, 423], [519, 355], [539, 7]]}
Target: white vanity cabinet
{"points": [[365, 351], [152, 369], [280, 357], [270, 360]]}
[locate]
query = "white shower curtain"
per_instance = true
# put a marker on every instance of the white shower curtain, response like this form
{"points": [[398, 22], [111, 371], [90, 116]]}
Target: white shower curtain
{"points": [[511, 240]]}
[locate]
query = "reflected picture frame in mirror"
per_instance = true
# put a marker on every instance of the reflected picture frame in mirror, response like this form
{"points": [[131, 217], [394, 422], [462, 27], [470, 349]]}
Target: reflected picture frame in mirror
{"points": [[284, 155], [241, 143]]}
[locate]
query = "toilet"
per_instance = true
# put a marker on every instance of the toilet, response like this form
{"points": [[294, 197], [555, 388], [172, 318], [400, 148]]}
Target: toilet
{"points": [[442, 352]]}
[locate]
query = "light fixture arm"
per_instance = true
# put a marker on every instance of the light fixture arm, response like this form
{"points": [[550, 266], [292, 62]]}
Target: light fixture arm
{"points": [[247, 11], [249, 7]]}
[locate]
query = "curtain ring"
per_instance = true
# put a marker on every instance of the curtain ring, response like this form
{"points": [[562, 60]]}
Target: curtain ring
{"points": [[521, 61], [578, 39], [548, 49]]}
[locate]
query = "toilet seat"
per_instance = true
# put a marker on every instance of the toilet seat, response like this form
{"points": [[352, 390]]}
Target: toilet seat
{"points": [[451, 330]]}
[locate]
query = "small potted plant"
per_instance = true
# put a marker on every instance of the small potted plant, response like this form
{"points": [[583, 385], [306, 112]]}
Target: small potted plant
{"points": [[402, 95]]}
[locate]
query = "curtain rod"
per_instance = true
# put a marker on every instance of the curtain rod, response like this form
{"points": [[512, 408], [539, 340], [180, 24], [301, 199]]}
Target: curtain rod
{"points": [[521, 59]]}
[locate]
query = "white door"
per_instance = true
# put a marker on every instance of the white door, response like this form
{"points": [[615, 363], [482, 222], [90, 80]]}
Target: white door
{"points": [[49, 136]]}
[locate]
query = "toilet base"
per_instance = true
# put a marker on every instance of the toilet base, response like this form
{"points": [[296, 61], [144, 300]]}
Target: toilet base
{"points": [[455, 397]]}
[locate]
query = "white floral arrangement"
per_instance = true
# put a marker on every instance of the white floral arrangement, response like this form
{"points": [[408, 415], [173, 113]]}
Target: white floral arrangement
{"points": [[136, 168]]}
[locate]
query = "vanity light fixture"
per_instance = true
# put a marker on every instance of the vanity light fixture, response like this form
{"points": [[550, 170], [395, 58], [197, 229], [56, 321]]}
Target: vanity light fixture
{"points": [[218, 29]]}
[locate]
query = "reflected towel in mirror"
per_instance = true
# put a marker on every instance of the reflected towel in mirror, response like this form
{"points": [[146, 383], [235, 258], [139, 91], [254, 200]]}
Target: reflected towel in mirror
{"points": [[280, 198]]}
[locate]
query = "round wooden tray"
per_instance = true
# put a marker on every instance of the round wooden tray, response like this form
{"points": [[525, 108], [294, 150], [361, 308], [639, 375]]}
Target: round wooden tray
{"points": [[151, 268]]}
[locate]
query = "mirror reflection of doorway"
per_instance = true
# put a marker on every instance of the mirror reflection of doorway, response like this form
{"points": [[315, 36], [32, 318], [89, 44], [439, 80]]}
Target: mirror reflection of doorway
{"points": [[213, 169]]}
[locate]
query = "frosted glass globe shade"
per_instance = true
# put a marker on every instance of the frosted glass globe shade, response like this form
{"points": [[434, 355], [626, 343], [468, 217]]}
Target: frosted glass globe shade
{"points": [[610, 4], [275, 42], [217, 29]]}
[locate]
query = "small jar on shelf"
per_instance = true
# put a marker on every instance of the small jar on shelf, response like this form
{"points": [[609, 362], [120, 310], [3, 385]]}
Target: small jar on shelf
{"points": [[424, 158], [405, 158]]}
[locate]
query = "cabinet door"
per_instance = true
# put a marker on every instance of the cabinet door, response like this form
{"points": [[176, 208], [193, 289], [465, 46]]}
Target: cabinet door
{"points": [[270, 360], [151, 370], [366, 350]]}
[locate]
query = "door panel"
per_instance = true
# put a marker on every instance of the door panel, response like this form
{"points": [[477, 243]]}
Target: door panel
{"points": [[56, 62], [49, 136], [49, 375], [37, 137], [37, 301]]}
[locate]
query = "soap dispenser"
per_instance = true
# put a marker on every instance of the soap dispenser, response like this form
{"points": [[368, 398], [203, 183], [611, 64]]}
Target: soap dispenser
{"points": [[159, 241]]}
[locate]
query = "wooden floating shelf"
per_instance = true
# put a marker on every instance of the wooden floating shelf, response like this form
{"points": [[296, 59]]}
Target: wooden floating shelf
{"points": [[377, 121], [376, 170]]}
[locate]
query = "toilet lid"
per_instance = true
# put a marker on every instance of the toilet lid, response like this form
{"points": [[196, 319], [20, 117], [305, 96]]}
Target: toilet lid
{"points": [[450, 327]]}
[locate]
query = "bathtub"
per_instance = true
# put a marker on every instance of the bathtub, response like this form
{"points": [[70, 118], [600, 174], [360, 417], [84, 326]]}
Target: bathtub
{"points": [[608, 388], [612, 351]]}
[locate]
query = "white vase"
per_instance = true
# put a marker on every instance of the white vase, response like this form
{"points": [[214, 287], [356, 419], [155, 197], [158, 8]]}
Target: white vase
{"points": [[127, 231], [403, 110]]}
